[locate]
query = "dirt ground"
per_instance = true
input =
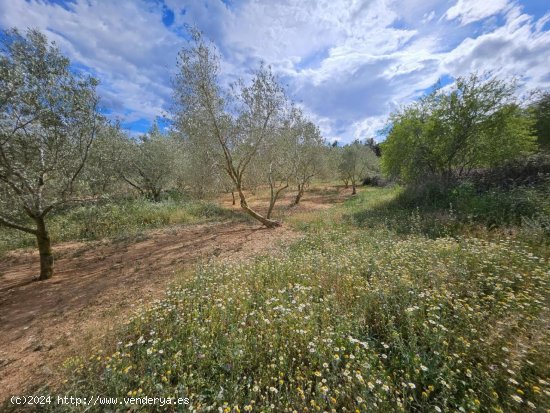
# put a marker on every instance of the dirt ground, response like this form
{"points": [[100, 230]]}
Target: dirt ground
{"points": [[98, 285]]}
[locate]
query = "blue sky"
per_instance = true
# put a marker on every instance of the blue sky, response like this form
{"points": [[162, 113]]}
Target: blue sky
{"points": [[348, 63]]}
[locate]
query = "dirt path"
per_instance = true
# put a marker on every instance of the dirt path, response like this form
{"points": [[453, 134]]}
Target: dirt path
{"points": [[95, 287], [98, 285]]}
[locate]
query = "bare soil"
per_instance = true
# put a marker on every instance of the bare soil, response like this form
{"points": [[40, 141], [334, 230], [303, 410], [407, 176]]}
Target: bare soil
{"points": [[98, 285]]}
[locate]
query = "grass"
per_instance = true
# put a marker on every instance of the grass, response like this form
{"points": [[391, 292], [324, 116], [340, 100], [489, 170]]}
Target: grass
{"points": [[450, 212], [522, 213], [347, 321], [368, 313], [118, 219]]}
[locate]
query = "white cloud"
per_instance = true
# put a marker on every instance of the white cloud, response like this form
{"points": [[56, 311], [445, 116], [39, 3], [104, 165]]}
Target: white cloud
{"points": [[124, 42], [469, 11], [349, 63], [519, 48]]}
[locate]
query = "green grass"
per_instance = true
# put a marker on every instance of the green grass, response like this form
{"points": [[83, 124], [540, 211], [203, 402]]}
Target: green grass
{"points": [[118, 219], [346, 321], [522, 212], [373, 311]]}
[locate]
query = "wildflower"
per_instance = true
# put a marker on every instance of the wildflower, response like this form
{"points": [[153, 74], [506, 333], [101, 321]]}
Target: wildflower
{"points": [[517, 398]]}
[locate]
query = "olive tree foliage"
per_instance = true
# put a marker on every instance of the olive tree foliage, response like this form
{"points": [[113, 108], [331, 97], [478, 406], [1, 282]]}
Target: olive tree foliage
{"points": [[478, 123], [332, 156], [231, 126], [148, 163], [195, 170], [48, 121], [357, 162], [104, 161]]}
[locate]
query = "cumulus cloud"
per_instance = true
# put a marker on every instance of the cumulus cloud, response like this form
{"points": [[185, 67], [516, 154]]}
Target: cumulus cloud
{"points": [[347, 62]]}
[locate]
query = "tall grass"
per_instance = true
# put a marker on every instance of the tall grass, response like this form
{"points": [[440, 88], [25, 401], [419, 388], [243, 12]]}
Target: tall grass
{"points": [[462, 210], [118, 219]]}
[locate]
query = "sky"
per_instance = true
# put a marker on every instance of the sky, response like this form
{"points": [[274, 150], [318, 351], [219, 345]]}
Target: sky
{"points": [[348, 64]]}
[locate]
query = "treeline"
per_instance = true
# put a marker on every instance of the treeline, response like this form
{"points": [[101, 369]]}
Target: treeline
{"points": [[57, 148]]}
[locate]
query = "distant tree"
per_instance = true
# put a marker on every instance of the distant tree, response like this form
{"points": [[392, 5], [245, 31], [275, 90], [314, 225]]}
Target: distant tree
{"points": [[149, 163], [332, 158], [101, 174], [196, 171], [234, 126], [541, 112], [375, 146], [477, 123], [357, 161], [48, 122], [276, 168], [306, 149]]}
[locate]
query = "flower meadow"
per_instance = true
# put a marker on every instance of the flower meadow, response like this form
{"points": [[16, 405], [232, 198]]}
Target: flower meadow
{"points": [[343, 321]]}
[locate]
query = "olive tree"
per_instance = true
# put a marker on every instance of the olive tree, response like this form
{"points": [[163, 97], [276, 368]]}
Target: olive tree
{"points": [[48, 122], [232, 125], [356, 162], [477, 123], [307, 154], [195, 169], [275, 165], [149, 163], [108, 153]]}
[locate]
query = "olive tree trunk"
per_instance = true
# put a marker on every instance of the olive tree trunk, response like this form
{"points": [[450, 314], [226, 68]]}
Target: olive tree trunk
{"points": [[45, 249], [269, 223], [299, 195]]}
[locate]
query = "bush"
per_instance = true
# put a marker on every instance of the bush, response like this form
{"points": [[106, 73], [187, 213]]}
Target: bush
{"points": [[375, 180], [529, 171], [434, 210]]}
